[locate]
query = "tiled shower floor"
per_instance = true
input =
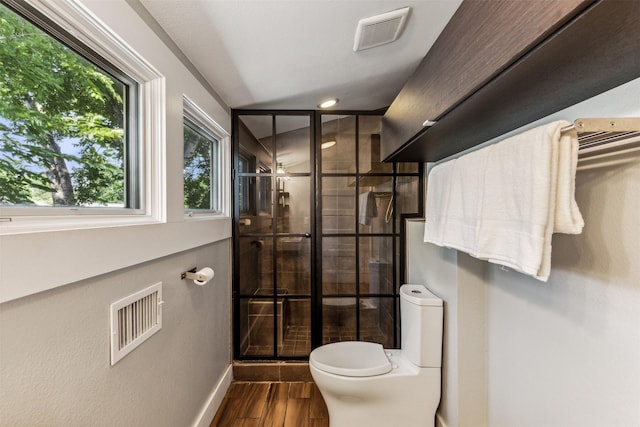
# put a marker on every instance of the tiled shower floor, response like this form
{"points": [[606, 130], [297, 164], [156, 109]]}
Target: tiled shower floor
{"points": [[296, 342]]}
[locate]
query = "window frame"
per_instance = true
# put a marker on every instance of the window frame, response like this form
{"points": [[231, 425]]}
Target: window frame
{"points": [[208, 128], [74, 26]]}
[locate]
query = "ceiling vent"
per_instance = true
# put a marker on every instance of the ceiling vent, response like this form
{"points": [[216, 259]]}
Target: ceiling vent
{"points": [[380, 29]]}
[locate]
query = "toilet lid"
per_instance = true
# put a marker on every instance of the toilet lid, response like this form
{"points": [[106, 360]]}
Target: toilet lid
{"points": [[351, 359]]}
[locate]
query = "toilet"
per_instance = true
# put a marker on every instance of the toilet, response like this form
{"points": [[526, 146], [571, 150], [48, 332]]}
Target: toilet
{"points": [[364, 384]]}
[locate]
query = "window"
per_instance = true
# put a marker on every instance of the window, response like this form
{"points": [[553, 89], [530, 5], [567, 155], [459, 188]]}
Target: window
{"points": [[264, 194], [246, 164], [68, 137], [202, 162]]}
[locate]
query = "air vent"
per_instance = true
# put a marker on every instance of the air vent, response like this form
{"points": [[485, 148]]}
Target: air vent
{"points": [[134, 319], [380, 29]]}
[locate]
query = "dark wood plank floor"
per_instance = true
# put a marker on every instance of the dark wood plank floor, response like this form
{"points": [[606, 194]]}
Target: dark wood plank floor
{"points": [[272, 404]]}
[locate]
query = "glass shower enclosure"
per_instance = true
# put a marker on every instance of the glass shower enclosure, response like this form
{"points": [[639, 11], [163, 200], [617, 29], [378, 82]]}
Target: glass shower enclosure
{"points": [[316, 232]]}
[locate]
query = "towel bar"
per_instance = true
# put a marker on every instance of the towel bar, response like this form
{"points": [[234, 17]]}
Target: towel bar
{"points": [[595, 132]]}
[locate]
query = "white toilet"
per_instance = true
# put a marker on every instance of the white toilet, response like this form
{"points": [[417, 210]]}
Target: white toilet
{"points": [[366, 385]]}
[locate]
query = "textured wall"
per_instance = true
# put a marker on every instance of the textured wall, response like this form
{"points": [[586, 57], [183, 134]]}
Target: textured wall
{"points": [[565, 353], [55, 359]]}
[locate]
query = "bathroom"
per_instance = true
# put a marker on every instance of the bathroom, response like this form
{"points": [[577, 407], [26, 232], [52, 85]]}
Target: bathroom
{"points": [[516, 352]]}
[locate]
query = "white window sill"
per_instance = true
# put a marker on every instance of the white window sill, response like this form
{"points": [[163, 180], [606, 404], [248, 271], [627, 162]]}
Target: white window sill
{"points": [[43, 224], [33, 262]]}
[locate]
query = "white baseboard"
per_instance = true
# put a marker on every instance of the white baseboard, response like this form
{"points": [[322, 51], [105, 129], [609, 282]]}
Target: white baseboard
{"points": [[439, 421], [215, 399]]}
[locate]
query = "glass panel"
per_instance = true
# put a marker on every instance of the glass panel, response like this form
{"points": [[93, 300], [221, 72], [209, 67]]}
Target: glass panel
{"points": [[376, 321], [296, 328], [294, 265], [63, 131], [399, 266], [338, 205], [249, 199], [339, 320], [201, 168], [256, 272], [293, 204], [338, 144], [408, 167], [375, 211], [339, 265], [376, 268], [293, 144], [255, 137], [397, 323], [406, 197], [246, 187], [256, 326], [265, 195], [369, 147]]}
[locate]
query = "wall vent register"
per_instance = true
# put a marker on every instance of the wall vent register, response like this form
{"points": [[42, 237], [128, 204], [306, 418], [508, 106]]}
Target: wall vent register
{"points": [[134, 319]]}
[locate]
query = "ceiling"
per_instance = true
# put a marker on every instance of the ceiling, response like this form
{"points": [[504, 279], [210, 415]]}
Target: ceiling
{"points": [[293, 54]]}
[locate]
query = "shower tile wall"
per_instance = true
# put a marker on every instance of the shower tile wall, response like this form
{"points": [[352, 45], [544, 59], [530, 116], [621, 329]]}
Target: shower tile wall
{"points": [[338, 261]]}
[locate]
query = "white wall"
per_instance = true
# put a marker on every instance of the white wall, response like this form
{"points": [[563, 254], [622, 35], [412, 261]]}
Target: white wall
{"points": [[55, 356], [567, 353], [563, 353], [57, 287], [459, 280]]}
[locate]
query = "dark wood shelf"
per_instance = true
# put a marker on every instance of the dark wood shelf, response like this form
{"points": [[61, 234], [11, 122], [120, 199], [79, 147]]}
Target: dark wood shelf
{"points": [[592, 48]]}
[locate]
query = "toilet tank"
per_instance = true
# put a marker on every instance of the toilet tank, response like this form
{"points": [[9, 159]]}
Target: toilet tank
{"points": [[421, 317]]}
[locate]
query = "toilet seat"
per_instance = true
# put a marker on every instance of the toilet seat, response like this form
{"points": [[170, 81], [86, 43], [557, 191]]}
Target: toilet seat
{"points": [[351, 359]]}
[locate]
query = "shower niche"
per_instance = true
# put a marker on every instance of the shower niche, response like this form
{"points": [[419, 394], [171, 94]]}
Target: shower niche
{"points": [[316, 232]]}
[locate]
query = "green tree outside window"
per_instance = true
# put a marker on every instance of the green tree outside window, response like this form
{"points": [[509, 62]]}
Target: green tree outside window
{"points": [[200, 161], [62, 122]]}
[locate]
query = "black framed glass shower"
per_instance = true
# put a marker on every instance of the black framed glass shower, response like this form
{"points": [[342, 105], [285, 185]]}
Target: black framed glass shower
{"points": [[361, 201], [316, 232]]}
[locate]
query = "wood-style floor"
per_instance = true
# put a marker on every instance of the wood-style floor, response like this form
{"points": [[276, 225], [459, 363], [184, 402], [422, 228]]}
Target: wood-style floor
{"points": [[272, 404]]}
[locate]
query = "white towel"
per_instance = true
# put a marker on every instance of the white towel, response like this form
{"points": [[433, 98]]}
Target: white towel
{"points": [[367, 208], [438, 190], [503, 202], [455, 190]]}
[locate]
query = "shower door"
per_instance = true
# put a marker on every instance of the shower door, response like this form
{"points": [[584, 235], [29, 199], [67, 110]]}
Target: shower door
{"points": [[273, 269], [316, 232]]}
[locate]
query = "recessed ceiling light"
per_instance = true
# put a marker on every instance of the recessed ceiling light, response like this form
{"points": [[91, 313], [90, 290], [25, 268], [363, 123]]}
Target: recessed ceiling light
{"points": [[327, 144], [328, 103]]}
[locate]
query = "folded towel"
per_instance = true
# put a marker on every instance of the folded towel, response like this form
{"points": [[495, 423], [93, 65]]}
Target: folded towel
{"points": [[503, 202], [367, 208]]}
